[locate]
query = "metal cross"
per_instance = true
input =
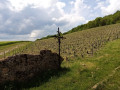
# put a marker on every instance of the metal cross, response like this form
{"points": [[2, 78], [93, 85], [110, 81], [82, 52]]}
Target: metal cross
{"points": [[59, 37]]}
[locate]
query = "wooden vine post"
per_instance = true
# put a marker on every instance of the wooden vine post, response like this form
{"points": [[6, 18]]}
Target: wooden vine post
{"points": [[59, 37]]}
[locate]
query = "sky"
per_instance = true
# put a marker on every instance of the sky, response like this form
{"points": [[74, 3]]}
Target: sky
{"points": [[33, 19]]}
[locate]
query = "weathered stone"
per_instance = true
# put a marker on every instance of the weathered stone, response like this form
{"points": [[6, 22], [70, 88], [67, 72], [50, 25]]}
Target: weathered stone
{"points": [[24, 66]]}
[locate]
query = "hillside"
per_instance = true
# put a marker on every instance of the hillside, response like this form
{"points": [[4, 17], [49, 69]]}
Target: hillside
{"points": [[84, 74], [100, 72], [82, 44], [91, 60], [60, 45], [99, 21]]}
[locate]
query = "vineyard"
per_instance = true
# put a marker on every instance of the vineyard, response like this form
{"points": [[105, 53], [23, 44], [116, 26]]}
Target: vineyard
{"points": [[78, 44], [98, 72]]}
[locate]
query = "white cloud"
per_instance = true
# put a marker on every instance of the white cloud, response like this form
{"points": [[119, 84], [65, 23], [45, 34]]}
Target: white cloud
{"points": [[8, 22], [75, 17], [39, 18], [36, 34], [71, 2], [25, 24], [60, 6], [97, 0], [18, 5], [80, 8], [111, 7], [4, 37], [32, 19], [1, 6], [1, 18]]}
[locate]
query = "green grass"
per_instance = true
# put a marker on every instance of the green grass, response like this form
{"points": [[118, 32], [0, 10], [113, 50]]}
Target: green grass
{"points": [[80, 73], [113, 83], [4, 43], [9, 46]]}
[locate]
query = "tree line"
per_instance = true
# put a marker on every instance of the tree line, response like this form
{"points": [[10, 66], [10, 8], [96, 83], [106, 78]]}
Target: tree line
{"points": [[99, 21]]}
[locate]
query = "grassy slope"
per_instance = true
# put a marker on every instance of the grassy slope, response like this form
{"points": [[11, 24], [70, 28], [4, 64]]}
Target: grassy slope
{"points": [[78, 73], [3, 43], [7, 46], [84, 74]]}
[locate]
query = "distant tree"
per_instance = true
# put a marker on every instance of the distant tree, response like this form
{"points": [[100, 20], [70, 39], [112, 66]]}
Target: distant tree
{"points": [[98, 21]]}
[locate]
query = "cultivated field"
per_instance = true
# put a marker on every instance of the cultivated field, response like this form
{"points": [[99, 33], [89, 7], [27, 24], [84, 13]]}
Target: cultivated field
{"points": [[78, 44], [101, 72]]}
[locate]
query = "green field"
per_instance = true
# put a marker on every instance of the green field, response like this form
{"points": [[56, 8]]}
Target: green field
{"points": [[9, 47]]}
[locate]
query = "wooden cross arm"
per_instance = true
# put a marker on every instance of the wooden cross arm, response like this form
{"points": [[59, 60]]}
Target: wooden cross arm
{"points": [[64, 38]]}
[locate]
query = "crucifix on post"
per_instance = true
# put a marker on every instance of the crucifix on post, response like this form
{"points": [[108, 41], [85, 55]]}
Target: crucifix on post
{"points": [[59, 37]]}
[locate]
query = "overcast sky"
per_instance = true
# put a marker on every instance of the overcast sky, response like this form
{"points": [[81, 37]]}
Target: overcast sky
{"points": [[32, 19]]}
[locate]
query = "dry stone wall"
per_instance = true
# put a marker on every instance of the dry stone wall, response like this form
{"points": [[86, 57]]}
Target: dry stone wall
{"points": [[23, 67]]}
